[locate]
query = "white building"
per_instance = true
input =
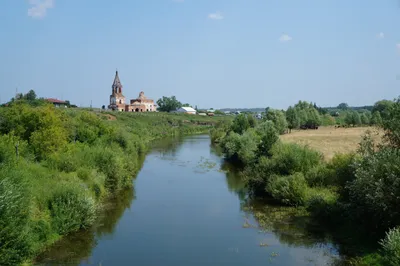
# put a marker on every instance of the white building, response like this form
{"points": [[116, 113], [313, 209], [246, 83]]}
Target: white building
{"points": [[186, 110]]}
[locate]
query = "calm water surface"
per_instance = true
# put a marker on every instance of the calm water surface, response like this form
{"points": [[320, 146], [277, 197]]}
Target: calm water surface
{"points": [[185, 210]]}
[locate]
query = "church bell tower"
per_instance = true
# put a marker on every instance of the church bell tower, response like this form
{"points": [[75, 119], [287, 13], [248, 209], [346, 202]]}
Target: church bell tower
{"points": [[117, 99]]}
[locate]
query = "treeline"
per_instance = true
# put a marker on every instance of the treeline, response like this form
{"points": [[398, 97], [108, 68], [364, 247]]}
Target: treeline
{"points": [[307, 115], [58, 166], [360, 190], [31, 98]]}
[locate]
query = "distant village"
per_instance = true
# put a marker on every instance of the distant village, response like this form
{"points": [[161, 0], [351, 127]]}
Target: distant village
{"points": [[143, 104], [118, 102]]}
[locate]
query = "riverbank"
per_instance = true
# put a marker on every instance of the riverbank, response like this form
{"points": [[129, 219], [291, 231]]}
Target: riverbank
{"points": [[354, 194], [58, 166]]}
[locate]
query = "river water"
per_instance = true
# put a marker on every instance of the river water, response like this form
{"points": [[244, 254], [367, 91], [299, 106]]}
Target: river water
{"points": [[185, 210]]}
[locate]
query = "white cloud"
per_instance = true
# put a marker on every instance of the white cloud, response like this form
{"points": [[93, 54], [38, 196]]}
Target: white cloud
{"points": [[381, 35], [39, 8], [285, 38], [216, 16]]}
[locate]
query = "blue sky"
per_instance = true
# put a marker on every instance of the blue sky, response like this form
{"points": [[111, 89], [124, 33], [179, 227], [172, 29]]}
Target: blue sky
{"points": [[210, 53]]}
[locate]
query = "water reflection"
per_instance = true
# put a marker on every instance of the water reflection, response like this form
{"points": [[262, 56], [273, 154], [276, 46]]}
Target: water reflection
{"points": [[167, 147], [75, 248]]}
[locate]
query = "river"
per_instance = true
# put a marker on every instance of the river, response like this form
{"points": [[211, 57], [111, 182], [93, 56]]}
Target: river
{"points": [[185, 210]]}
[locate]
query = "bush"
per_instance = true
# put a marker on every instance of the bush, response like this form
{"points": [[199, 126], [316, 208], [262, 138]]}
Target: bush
{"points": [[71, 209], [343, 167], [15, 244], [373, 194], [391, 247], [8, 154], [289, 158], [320, 175], [217, 135], [290, 190], [322, 204]]}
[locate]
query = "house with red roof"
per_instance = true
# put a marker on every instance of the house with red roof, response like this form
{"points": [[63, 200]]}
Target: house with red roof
{"points": [[57, 102]]}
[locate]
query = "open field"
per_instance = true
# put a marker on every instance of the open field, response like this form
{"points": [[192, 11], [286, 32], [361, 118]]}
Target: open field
{"points": [[330, 140]]}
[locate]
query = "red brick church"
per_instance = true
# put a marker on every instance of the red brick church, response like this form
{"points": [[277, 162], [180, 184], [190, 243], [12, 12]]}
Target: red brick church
{"points": [[117, 100]]}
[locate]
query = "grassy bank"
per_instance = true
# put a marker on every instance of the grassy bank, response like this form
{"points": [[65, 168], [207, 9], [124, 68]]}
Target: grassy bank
{"points": [[354, 193], [57, 166]]}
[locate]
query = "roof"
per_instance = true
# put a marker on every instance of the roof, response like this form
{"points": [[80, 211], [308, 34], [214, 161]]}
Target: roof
{"points": [[188, 109], [53, 100], [117, 82]]}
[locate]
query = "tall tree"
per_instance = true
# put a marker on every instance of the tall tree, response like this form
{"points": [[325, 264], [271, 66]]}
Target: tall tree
{"points": [[240, 124], [343, 106], [376, 118], [303, 116], [168, 104], [279, 120], [382, 107], [364, 119], [30, 96], [292, 118], [391, 124]]}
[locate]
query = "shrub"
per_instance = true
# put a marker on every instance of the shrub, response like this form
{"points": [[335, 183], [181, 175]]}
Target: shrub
{"points": [[48, 140], [71, 209], [217, 134], [322, 204], [8, 145], [320, 175], [343, 166], [289, 158], [391, 247], [290, 190], [15, 244], [373, 194]]}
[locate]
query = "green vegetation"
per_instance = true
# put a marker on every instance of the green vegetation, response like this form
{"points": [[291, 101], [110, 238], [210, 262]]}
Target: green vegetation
{"points": [[356, 193], [168, 104], [57, 167]]}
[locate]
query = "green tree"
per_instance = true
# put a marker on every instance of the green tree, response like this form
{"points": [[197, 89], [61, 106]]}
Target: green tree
{"points": [[186, 105], [168, 104], [364, 119], [313, 117], [268, 137], [343, 106], [303, 117], [48, 140], [352, 118], [376, 118], [382, 106], [279, 120], [30, 96], [292, 118], [391, 124], [356, 118], [240, 124]]}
